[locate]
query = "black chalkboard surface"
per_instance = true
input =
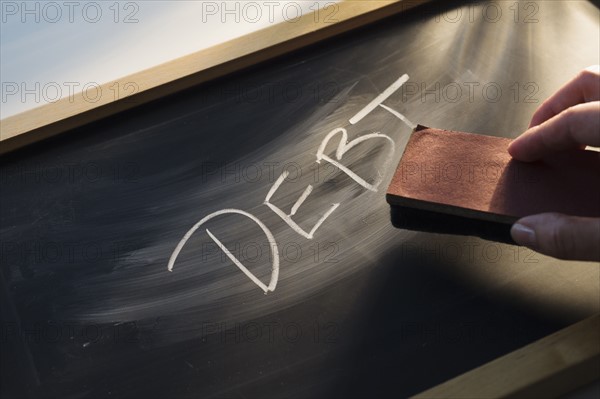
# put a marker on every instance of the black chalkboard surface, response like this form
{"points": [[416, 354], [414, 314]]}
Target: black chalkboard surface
{"points": [[233, 240]]}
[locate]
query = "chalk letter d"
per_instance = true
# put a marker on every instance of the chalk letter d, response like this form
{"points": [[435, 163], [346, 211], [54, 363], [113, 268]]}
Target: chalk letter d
{"points": [[270, 238]]}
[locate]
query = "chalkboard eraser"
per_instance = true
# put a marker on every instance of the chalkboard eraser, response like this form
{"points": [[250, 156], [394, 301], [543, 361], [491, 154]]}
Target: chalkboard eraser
{"points": [[453, 182]]}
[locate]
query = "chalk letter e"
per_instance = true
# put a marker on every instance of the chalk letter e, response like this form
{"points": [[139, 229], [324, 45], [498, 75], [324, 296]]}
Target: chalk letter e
{"points": [[288, 217]]}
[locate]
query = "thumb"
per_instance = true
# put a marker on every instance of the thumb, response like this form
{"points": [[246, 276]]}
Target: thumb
{"points": [[560, 236]]}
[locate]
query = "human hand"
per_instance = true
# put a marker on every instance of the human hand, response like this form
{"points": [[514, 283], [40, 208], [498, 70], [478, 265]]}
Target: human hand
{"points": [[569, 119]]}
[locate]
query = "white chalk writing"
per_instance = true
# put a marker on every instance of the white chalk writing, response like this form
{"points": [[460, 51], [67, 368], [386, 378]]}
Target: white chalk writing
{"points": [[344, 145]]}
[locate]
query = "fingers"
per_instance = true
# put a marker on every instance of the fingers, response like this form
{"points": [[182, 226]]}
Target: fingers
{"points": [[569, 119], [575, 127], [560, 236], [585, 87]]}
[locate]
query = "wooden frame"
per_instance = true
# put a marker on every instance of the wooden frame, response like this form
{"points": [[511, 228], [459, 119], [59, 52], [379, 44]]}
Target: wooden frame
{"points": [[50, 119], [549, 367]]}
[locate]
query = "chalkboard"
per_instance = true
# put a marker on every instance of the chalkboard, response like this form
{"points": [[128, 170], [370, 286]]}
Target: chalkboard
{"points": [[233, 240]]}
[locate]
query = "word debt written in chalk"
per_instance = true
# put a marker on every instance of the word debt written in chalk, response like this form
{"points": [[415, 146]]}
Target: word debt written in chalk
{"points": [[343, 146]]}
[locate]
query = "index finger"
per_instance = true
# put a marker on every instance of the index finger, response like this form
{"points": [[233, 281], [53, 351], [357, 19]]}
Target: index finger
{"points": [[585, 87], [576, 127]]}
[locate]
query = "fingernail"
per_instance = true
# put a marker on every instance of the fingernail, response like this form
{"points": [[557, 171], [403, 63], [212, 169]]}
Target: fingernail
{"points": [[513, 147], [523, 235]]}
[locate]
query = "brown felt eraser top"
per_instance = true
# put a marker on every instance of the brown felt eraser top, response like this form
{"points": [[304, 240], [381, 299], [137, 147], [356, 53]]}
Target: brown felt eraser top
{"points": [[473, 175]]}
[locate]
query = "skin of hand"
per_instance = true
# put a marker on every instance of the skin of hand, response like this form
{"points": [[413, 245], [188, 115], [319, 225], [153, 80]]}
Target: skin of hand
{"points": [[569, 119]]}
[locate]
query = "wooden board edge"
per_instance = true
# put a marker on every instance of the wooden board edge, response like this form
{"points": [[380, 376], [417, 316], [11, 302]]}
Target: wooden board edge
{"points": [[548, 368], [122, 94]]}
